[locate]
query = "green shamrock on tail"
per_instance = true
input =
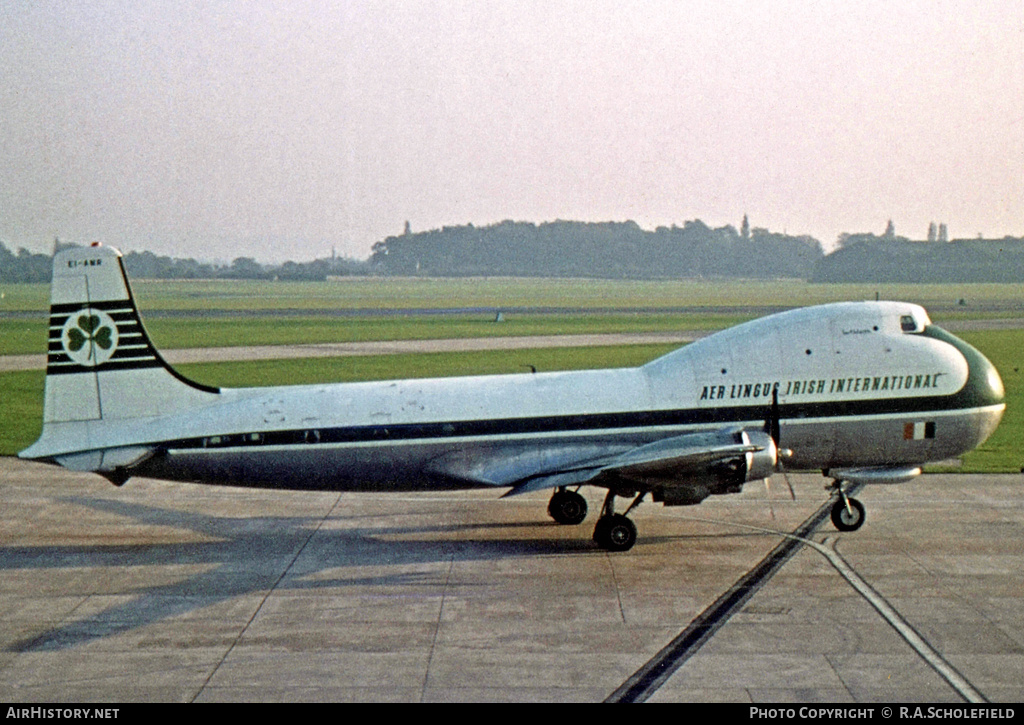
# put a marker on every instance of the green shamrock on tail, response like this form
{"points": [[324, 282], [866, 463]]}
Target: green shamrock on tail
{"points": [[90, 331]]}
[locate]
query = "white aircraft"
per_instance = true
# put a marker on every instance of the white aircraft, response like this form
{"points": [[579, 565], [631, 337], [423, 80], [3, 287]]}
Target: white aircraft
{"points": [[865, 392]]}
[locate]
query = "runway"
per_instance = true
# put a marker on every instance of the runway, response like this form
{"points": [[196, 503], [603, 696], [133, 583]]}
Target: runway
{"points": [[173, 592], [11, 363]]}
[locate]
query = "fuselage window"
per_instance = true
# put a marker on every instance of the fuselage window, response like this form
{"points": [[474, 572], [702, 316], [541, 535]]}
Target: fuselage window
{"points": [[908, 323]]}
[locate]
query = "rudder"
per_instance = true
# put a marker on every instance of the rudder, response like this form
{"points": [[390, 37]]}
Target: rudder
{"points": [[101, 364]]}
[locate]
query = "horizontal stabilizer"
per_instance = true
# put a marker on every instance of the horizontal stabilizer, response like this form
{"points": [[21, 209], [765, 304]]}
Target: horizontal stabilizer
{"points": [[105, 461]]}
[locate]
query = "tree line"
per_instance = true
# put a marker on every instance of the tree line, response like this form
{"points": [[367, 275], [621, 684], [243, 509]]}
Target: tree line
{"points": [[694, 250], [901, 260], [607, 250], [25, 266]]}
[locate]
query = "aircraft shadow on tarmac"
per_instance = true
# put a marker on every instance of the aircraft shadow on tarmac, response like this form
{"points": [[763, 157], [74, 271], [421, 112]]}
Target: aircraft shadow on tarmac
{"points": [[252, 555]]}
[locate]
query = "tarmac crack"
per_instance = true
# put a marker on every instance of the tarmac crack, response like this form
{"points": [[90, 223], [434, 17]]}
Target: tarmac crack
{"points": [[270, 590], [615, 583], [437, 629]]}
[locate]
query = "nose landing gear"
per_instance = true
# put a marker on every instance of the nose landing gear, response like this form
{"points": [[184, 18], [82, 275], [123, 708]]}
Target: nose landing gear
{"points": [[847, 513]]}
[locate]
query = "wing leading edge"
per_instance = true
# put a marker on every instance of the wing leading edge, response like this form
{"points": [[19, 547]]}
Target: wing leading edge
{"points": [[679, 470]]}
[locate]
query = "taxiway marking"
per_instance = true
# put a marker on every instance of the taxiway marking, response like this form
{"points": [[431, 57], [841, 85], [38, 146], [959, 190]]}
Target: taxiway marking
{"points": [[937, 662], [649, 678]]}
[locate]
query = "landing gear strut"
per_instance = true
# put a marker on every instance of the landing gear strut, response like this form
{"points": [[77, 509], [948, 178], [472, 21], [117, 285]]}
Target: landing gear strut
{"points": [[567, 507], [847, 513], [615, 532]]}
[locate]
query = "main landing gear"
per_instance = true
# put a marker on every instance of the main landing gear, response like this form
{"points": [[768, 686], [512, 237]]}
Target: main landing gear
{"points": [[567, 507], [614, 532], [847, 512]]}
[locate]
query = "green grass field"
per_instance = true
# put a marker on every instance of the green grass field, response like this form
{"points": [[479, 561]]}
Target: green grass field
{"points": [[278, 313], [405, 293], [23, 337]]}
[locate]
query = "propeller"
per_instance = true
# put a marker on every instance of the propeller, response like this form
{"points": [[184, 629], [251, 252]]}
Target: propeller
{"points": [[773, 429]]}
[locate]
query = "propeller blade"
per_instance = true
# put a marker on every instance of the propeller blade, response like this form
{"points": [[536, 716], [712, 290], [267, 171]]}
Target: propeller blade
{"points": [[768, 493], [785, 477], [771, 425], [774, 429]]}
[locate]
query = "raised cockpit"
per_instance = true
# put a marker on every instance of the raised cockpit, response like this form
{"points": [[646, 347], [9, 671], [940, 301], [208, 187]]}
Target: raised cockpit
{"points": [[914, 320]]}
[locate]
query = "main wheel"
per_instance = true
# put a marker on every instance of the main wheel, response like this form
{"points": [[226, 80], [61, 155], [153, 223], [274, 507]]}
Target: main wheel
{"points": [[567, 507], [615, 533], [846, 519]]}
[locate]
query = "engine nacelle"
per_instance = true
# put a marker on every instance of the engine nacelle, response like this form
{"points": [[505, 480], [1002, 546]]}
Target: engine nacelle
{"points": [[760, 463], [725, 476]]}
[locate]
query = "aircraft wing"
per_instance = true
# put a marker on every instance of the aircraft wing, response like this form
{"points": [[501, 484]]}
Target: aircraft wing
{"points": [[673, 462]]}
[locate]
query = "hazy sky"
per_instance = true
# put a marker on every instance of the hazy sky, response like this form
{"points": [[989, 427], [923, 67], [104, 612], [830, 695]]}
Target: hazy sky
{"points": [[280, 129]]}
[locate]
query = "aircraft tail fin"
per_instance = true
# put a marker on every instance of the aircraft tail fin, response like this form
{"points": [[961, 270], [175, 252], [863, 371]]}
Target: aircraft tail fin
{"points": [[102, 367]]}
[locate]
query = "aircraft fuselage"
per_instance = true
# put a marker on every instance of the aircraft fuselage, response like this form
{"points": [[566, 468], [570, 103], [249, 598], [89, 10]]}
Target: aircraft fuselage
{"points": [[858, 384]]}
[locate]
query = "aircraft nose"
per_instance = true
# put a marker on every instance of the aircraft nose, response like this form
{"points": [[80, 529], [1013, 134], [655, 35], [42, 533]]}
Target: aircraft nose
{"points": [[984, 386], [983, 379], [993, 385]]}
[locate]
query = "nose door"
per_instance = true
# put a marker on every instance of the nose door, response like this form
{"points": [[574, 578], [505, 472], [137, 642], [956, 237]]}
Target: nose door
{"points": [[984, 386], [982, 397]]}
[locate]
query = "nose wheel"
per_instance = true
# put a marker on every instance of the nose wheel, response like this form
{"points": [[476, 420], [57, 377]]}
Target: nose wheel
{"points": [[847, 513]]}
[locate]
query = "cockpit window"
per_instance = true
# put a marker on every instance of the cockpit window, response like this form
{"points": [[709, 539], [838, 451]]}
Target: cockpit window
{"points": [[908, 323]]}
